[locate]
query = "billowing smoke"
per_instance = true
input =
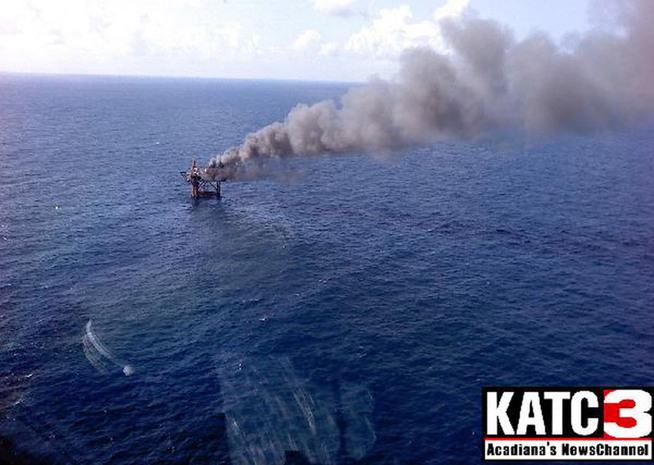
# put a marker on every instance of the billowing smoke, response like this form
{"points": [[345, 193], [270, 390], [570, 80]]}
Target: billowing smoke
{"points": [[487, 84]]}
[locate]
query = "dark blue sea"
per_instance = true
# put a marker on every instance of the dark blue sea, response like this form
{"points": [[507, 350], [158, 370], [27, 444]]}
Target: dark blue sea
{"points": [[349, 311]]}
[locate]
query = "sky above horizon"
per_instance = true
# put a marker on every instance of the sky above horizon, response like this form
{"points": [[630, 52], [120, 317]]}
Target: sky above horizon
{"points": [[333, 40]]}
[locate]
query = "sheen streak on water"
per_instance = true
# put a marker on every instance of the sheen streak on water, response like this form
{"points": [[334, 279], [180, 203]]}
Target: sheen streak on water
{"points": [[271, 410], [96, 352]]}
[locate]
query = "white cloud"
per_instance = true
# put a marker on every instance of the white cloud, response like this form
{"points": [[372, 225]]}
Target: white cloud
{"points": [[311, 42], [329, 49], [452, 8], [336, 7], [306, 39], [391, 32], [396, 29], [79, 34]]}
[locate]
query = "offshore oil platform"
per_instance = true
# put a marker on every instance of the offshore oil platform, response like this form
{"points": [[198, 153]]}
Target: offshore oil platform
{"points": [[201, 186]]}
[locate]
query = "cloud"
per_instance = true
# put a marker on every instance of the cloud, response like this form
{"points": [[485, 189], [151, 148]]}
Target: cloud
{"points": [[329, 49], [396, 29], [95, 35], [311, 43], [335, 7], [452, 9], [391, 32], [306, 39]]}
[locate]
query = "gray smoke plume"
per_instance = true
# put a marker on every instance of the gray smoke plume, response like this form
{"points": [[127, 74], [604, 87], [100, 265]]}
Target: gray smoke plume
{"points": [[489, 83]]}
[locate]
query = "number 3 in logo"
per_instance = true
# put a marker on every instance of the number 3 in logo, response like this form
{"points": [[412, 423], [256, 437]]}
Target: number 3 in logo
{"points": [[626, 413]]}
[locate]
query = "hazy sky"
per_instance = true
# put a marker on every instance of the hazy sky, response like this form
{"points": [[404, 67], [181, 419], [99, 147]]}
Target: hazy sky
{"points": [[304, 39]]}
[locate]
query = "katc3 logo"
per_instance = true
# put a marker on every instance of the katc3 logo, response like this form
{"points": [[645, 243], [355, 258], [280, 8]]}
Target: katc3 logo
{"points": [[561, 423]]}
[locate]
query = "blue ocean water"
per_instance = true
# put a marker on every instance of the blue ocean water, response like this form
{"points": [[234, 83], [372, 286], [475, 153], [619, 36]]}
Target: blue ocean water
{"points": [[351, 311]]}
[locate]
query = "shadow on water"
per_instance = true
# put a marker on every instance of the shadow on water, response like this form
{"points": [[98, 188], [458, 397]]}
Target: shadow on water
{"points": [[206, 444], [36, 440], [215, 434]]}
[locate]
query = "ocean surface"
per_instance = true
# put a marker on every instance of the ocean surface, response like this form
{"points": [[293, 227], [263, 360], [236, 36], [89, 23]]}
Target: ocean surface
{"points": [[350, 310]]}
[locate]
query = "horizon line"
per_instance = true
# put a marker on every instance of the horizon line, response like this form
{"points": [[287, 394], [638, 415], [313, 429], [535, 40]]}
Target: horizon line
{"points": [[179, 77]]}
